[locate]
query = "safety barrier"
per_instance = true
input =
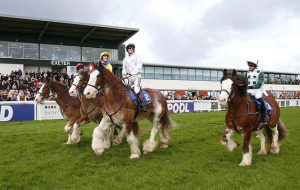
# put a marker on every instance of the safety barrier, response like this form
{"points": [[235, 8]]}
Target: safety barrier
{"points": [[27, 111]]}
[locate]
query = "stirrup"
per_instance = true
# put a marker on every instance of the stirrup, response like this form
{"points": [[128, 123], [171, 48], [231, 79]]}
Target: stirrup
{"points": [[143, 108]]}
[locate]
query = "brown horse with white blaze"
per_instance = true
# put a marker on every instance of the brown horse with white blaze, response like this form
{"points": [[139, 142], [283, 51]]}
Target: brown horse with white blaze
{"points": [[244, 117], [119, 109], [90, 109], [69, 106]]}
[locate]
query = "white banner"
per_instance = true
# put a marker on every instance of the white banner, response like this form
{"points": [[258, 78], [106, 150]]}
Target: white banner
{"points": [[48, 110]]}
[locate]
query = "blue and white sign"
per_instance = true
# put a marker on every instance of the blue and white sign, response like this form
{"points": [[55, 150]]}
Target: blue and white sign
{"points": [[180, 107], [17, 112]]}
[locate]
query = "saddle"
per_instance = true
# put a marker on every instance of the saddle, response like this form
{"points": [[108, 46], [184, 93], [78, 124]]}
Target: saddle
{"points": [[268, 107], [146, 97]]}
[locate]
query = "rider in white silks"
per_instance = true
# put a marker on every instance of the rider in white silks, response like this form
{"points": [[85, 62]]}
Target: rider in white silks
{"points": [[255, 87], [132, 69]]}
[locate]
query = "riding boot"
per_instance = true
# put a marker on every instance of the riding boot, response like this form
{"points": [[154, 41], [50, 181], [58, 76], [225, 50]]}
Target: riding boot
{"points": [[265, 118], [142, 106]]}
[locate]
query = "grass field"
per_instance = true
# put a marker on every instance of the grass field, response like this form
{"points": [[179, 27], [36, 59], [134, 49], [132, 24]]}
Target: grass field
{"points": [[33, 156]]}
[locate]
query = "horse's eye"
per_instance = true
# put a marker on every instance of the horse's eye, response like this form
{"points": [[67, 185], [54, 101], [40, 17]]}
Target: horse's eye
{"points": [[98, 75]]}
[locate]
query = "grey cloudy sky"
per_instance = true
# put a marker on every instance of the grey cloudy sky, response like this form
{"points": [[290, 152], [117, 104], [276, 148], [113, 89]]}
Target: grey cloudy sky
{"points": [[212, 33]]}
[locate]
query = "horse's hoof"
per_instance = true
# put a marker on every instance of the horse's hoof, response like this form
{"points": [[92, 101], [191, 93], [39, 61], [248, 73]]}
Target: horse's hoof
{"points": [[99, 152], [262, 152], [274, 150], [116, 142], [75, 140], [133, 156], [164, 146], [243, 164]]}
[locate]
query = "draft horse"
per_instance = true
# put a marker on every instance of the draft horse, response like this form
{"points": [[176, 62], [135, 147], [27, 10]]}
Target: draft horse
{"points": [[69, 106], [119, 109], [243, 117], [90, 109]]}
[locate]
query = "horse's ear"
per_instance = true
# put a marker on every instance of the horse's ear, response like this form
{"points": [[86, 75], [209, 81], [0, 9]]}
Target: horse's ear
{"points": [[233, 72], [48, 79], [224, 72]]}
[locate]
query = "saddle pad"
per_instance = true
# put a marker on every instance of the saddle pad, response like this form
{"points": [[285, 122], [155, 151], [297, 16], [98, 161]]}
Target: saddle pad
{"points": [[146, 97], [267, 106]]}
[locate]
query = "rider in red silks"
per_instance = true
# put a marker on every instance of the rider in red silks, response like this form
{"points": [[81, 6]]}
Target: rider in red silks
{"points": [[79, 67]]}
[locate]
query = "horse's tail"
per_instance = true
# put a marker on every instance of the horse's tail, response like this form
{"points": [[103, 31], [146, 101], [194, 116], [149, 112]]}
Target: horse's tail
{"points": [[282, 131], [167, 122]]}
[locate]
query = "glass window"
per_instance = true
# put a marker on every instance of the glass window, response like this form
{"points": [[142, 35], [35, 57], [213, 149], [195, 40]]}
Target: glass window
{"points": [[60, 53], [276, 79], [206, 74], [31, 51], [15, 50], [73, 53], [213, 75], [175, 73], [46, 52], [3, 49], [271, 78], [191, 74], [167, 73], [220, 75], [199, 74], [183, 74], [93, 54], [159, 73], [149, 72]]}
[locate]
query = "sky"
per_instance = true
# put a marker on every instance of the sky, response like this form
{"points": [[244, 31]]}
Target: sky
{"points": [[202, 33]]}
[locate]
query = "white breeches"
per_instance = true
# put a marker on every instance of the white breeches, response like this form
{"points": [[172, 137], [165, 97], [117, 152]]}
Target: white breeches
{"points": [[135, 81], [257, 93]]}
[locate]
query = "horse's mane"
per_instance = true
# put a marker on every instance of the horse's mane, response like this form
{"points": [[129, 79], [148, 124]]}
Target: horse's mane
{"points": [[241, 85], [108, 76], [62, 86], [239, 82]]}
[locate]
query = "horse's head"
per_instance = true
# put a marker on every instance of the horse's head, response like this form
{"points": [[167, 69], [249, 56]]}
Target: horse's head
{"points": [[79, 83], [44, 92], [231, 84], [97, 79]]}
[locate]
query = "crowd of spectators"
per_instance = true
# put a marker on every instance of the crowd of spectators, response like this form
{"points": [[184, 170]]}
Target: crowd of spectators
{"points": [[18, 86], [281, 80]]}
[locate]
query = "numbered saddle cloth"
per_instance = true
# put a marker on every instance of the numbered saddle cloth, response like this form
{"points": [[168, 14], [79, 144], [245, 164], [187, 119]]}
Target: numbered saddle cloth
{"points": [[267, 106], [146, 97]]}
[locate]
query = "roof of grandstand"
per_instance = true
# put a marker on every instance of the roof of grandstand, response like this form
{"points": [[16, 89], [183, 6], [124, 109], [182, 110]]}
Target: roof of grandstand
{"points": [[46, 28]]}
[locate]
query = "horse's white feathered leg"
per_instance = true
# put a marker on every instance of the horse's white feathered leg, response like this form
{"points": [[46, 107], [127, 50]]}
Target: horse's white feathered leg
{"points": [[227, 141], [75, 136], [134, 145], [263, 148], [100, 140], [274, 146]]}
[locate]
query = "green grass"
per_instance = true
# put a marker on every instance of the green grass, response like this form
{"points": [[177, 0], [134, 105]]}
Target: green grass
{"points": [[33, 156]]}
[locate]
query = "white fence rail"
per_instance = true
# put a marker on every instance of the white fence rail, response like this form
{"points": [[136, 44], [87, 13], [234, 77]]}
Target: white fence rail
{"points": [[27, 111]]}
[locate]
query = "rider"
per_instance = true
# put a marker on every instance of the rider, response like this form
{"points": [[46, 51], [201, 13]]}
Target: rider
{"points": [[255, 87], [104, 60], [79, 67], [132, 69]]}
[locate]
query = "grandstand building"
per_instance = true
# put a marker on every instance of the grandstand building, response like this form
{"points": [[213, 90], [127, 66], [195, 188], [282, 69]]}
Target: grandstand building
{"points": [[39, 45]]}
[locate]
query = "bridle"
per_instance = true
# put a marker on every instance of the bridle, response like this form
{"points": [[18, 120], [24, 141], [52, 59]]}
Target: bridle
{"points": [[230, 94], [100, 90], [81, 86]]}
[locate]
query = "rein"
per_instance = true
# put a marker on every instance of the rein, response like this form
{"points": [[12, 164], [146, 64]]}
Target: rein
{"points": [[100, 91]]}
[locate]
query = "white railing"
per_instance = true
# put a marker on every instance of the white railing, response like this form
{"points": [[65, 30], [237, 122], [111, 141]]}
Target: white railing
{"points": [[27, 111]]}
